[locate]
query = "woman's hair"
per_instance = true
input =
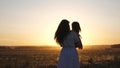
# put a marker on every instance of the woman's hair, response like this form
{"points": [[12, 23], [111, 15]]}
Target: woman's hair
{"points": [[76, 27], [62, 31]]}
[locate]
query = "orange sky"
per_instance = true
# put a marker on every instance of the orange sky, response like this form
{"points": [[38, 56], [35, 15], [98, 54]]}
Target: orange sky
{"points": [[34, 22]]}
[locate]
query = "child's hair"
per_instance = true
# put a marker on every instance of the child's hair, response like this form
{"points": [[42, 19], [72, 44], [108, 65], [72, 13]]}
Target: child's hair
{"points": [[76, 27]]}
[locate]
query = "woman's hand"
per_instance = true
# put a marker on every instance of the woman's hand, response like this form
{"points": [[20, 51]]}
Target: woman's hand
{"points": [[79, 45]]}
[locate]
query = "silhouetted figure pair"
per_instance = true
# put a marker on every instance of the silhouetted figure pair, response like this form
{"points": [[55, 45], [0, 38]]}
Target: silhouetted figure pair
{"points": [[69, 40]]}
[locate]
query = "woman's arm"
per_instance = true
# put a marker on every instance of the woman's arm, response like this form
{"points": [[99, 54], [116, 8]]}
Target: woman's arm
{"points": [[79, 45], [78, 42]]}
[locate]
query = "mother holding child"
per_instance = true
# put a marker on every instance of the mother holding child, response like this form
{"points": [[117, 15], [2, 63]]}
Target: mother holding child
{"points": [[69, 40]]}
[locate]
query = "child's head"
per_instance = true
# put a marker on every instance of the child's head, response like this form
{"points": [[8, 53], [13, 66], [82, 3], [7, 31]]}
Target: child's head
{"points": [[76, 27]]}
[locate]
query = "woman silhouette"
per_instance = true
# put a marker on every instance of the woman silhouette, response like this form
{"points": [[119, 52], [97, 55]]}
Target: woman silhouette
{"points": [[67, 40]]}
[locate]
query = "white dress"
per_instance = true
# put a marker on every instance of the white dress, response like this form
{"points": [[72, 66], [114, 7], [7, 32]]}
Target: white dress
{"points": [[68, 55]]}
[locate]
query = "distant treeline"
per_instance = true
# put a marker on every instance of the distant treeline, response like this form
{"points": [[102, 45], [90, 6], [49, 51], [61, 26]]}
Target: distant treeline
{"points": [[115, 46]]}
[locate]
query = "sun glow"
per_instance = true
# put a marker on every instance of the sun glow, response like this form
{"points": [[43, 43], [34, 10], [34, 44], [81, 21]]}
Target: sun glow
{"points": [[35, 22]]}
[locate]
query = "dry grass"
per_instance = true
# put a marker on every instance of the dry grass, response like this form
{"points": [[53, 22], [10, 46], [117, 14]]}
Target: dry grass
{"points": [[47, 57]]}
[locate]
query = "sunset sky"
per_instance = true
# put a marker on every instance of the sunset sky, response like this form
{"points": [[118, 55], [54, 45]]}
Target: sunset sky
{"points": [[34, 22]]}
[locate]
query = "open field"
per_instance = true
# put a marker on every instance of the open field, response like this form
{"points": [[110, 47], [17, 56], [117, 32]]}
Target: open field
{"points": [[47, 57]]}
